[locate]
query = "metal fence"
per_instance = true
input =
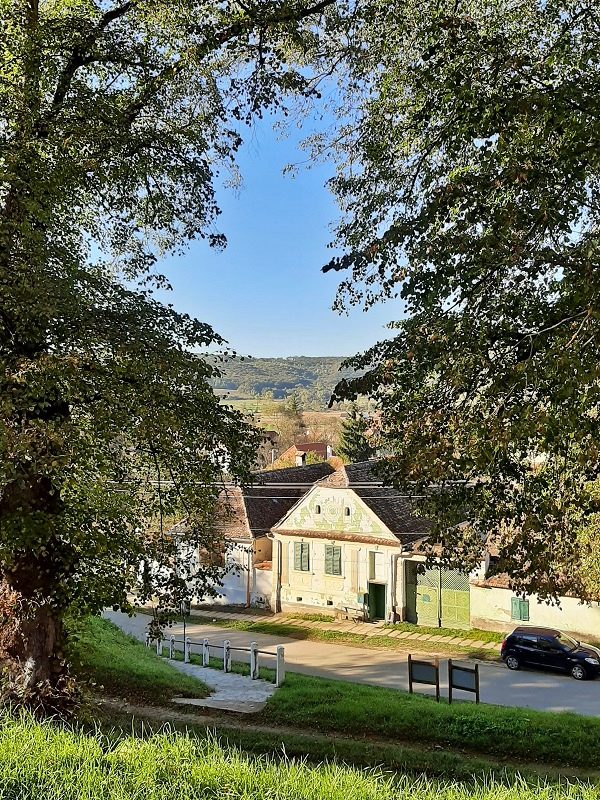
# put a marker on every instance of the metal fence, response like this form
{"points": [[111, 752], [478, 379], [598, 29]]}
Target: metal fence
{"points": [[225, 650]]}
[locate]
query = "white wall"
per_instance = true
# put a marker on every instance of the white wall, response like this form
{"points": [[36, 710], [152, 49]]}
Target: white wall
{"points": [[315, 589], [491, 609]]}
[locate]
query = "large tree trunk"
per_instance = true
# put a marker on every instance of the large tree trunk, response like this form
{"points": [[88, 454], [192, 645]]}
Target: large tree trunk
{"points": [[34, 671]]}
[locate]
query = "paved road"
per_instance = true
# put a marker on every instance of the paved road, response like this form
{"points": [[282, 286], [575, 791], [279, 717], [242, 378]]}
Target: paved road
{"points": [[529, 689]]}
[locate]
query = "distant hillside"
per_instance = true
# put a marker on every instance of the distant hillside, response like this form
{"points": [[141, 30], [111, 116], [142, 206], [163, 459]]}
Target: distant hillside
{"points": [[312, 379]]}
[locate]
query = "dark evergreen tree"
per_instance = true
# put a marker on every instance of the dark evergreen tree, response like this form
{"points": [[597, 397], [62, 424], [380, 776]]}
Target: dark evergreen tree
{"points": [[354, 445]]}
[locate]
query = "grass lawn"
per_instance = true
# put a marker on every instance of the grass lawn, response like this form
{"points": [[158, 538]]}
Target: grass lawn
{"points": [[47, 761], [472, 633], [106, 657], [321, 705]]}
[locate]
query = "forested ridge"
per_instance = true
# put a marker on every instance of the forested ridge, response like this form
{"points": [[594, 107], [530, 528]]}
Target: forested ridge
{"points": [[283, 376]]}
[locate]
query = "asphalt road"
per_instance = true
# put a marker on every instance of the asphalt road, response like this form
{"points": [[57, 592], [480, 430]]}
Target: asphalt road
{"points": [[526, 688]]}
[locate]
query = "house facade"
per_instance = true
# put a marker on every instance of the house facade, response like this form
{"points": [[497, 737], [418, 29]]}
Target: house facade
{"points": [[494, 606], [311, 538], [350, 543]]}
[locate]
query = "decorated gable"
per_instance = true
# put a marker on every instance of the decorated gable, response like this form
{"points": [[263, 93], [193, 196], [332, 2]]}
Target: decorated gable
{"points": [[329, 509]]}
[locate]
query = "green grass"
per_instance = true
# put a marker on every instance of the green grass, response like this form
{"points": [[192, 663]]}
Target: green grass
{"points": [[321, 705], [364, 753], [106, 657], [472, 633], [45, 761]]}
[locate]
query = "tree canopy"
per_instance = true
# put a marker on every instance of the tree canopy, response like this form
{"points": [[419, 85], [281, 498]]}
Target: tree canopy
{"points": [[116, 118], [470, 184]]}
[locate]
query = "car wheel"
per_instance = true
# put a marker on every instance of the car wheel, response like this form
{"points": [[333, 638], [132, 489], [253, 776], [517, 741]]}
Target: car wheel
{"points": [[512, 662], [578, 672]]}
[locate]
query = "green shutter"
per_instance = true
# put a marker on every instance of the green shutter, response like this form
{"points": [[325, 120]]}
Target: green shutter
{"points": [[333, 559], [519, 609], [337, 560], [305, 564], [515, 610], [301, 556]]}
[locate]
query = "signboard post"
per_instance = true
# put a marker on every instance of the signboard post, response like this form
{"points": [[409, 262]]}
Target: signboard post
{"points": [[464, 678], [426, 672]]}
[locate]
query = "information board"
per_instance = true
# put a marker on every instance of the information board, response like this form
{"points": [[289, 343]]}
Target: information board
{"points": [[424, 672], [464, 678]]}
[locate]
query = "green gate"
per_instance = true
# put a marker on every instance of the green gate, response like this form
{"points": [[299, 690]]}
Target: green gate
{"points": [[456, 607], [437, 597]]}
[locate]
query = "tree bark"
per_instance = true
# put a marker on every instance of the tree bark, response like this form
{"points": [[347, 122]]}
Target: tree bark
{"points": [[34, 671]]}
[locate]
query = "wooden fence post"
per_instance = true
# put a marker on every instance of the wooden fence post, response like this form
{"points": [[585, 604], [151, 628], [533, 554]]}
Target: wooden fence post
{"points": [[205, 653], [187, 650], [172, 647], [226, 656], [280, 673], [410, 682], [159, 647], [253, 660], [449, 681]]}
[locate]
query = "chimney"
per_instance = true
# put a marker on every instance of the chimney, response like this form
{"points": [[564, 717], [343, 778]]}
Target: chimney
{"points": [[300, 459]]}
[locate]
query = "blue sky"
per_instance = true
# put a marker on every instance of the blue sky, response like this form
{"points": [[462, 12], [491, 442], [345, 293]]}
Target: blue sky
{"points": [[265, 293]]}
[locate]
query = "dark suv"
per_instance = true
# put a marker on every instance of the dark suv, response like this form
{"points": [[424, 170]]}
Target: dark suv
{"points": [[549, 648]]}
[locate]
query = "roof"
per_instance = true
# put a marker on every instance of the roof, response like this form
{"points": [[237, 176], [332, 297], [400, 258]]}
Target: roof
{"points": [[395, 510], [305, 475], [251, 512], [354, 475], [500, 580]]}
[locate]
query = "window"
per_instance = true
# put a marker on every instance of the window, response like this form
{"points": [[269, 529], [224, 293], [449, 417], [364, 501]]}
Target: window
{"points": [[519, 609], [333, 559], [317, 509], [347, 511], [301, 556]]}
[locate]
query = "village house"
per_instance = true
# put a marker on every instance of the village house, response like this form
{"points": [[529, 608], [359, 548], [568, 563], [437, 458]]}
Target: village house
{"points": [[352, 545], [243, 523], [311, 538], [348, 544], [301, 452]]}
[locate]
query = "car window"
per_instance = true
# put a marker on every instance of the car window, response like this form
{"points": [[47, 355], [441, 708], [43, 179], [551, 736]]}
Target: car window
{"points": [[529, 641], [565, 642]]}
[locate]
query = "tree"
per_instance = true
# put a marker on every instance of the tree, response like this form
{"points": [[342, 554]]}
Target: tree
{"points": [[115, 118], [289, 423], [354, 444], [471, 191]]}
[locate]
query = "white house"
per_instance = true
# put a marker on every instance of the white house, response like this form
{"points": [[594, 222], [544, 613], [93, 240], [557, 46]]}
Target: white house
{"points": [[350, 543]]}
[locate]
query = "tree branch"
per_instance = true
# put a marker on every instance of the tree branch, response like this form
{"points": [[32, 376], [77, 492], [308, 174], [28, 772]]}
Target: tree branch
{"points": [[80, 55]]}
